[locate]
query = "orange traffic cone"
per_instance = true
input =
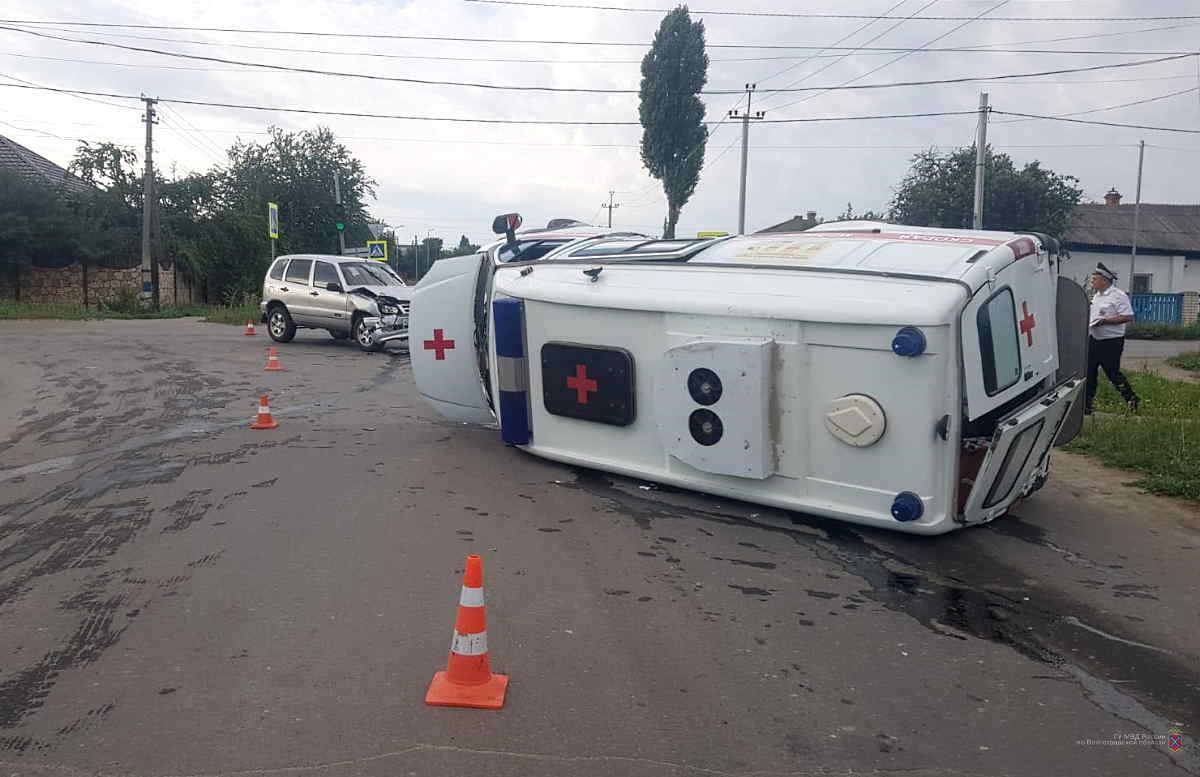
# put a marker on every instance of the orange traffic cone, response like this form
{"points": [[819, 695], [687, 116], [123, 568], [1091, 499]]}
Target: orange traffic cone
{"points": [[273, 360], [250, 329], [468, 680], [264, 420]]}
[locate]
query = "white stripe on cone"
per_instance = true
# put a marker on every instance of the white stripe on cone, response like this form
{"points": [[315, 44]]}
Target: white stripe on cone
{"points": [[263, 410], [471, 597], [469, 644]]}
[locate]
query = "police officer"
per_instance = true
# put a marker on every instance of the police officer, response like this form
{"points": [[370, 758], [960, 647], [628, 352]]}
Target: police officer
{"points": [[1111, 311]]}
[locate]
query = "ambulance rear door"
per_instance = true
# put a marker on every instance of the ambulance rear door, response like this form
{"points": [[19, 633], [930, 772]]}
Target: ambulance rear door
{"points": [[1009, 341], [442, 338], [1018, 452]]}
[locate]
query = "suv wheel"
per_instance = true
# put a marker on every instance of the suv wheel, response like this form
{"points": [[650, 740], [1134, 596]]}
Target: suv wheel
{"points": [[362, 335], [280, 326]]}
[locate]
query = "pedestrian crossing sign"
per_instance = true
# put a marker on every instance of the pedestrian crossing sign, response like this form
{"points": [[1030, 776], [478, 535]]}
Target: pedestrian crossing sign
{"points": [[377, 249]]}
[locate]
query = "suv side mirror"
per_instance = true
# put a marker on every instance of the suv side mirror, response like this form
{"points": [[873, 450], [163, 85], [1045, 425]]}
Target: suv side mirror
{"points": [[334, 287]]}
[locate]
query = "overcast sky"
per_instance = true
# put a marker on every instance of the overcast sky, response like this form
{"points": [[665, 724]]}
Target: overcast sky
{"points": [[452, 178]]}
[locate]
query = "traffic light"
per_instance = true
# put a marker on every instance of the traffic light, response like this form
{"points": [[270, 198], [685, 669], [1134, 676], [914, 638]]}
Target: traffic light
{"points": [[340, 216]]}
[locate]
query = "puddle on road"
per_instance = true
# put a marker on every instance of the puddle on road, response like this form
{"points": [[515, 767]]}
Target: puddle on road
{"points": [[1051, 631]]}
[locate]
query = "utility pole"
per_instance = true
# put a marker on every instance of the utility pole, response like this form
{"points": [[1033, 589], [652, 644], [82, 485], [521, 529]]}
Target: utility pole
{"points": [[745, 117], [610, 206], [149, 266], [980, 161], [1137, 213], [337, 197]]}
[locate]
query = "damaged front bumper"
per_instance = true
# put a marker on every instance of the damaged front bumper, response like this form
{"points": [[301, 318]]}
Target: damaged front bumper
{"points": [[386, 329]]}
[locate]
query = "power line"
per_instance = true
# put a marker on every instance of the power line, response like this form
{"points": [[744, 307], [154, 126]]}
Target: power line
{"points": [[843, 39], [565, 122], [951, 31], [35, 85], [589, 90], [1113, 107], [530, 41], [180, 124], [147, 66], [463, 120], [1089, 121], [848, 54], [823, 15]]}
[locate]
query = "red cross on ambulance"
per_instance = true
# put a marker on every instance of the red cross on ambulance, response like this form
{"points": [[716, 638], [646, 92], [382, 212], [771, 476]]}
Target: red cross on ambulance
{"points": [[1027, 323]]}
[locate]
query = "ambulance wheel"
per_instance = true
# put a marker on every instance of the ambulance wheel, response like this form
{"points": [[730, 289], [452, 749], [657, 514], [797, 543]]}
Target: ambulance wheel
{"points": [[280, 326], [362, 335]]}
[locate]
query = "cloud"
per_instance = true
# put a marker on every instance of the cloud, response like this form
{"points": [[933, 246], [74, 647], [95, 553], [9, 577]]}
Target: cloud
{"points": [[453, 179]]}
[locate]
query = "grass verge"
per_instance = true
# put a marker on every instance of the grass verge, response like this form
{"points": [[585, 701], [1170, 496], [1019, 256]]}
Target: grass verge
{"points": [[234, 314], [1163, 331], [1161, 441], [24, 310], [1186, 361]]}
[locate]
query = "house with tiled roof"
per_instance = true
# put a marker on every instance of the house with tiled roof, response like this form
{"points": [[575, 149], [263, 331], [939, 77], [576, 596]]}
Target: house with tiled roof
{"points": [[35, 167]]}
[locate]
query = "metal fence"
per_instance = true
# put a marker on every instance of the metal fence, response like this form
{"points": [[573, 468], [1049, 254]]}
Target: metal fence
{"points": [[1157, 308]]}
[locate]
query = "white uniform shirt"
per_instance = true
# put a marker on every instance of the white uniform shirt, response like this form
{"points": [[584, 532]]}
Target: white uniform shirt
{"points": [[1110, 302]]}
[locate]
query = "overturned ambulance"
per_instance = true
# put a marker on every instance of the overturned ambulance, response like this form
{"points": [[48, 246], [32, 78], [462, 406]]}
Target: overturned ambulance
{"points": [[900, 377]]}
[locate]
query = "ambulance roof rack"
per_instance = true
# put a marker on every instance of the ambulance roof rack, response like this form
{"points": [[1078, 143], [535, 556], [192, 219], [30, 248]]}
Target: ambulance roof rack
{"points": [[639, 247]]}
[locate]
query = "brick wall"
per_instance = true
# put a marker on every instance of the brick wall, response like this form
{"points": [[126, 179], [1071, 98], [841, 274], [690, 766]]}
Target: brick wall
{"points": [[65, 285]]}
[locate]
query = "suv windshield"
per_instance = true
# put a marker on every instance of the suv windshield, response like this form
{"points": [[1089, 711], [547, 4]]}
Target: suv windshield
{"points": [[368, 274]]}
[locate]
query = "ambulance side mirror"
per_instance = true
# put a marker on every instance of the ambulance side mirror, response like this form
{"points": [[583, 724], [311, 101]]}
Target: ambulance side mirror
{"points": [[507, 225]]}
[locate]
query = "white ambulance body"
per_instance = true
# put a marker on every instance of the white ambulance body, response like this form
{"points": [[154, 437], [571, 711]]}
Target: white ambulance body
{"points": [[900, 377]]}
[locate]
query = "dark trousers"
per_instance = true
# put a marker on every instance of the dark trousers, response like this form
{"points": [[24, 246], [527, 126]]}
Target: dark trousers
{"points": [[1106, 354]]}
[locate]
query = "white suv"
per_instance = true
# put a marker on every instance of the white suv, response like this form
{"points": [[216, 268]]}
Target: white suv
{"points": [[347, 296]]}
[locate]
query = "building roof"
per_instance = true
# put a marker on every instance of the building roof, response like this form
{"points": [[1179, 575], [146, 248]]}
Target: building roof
{"points": [[1173, 228], [796, 223], [14, 156]]}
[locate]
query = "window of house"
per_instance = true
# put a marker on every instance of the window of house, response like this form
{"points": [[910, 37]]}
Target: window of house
{"points": [[1143, 283], [999, 346]]}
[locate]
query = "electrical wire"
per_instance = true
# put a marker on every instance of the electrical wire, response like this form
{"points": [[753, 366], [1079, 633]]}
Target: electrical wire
{"points": [[197, 138], [852, 51], [1112, 107], [1182, 130], [596, 90], [825, 15], [462, 120], [838, 42], [81, 96], [513, 41], [849, 83]]}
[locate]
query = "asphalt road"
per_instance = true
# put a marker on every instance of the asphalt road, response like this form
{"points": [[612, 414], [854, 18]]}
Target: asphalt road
{"points": [[180, 595]]}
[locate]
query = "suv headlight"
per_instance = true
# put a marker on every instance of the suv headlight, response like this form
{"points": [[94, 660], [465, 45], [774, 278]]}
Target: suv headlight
{"points": [[389, 310]]}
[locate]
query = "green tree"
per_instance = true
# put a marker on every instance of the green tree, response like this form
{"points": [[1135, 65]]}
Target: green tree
{"points": [[464, 248], [866, 215], [938, 191], [672, 115], [296, 170], [36, 227]]}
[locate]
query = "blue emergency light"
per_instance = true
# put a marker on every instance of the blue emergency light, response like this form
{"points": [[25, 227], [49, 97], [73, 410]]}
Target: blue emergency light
{"points": [[907, 507], [909, 341]]}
